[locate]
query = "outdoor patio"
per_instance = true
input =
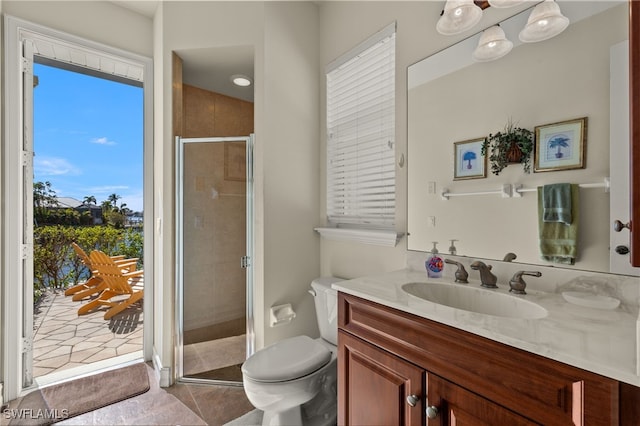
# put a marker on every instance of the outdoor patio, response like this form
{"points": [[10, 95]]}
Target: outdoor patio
{"points": [[64, 340]]}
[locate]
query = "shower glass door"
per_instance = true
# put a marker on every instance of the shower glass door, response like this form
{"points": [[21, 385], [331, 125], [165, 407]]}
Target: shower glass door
{"points": [[214, 218]]}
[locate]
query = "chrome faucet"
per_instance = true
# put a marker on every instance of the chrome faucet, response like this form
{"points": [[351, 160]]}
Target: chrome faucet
{"points": [[461, 273], [487, 279], [517, 284]]}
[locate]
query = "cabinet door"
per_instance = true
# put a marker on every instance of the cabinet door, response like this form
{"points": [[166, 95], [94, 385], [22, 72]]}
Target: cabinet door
{"points": [[457, 406], [374, 386]]}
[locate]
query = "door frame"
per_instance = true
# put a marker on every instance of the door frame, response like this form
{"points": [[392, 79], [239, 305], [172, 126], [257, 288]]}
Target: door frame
{"points": [[247, 261], [13, 300]]}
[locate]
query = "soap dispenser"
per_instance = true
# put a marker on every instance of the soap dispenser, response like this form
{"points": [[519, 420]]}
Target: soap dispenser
{"points": [[434, 263]]}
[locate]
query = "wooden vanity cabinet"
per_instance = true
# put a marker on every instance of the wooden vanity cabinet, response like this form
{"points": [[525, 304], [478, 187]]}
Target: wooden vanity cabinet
{"points": [[385, 356], [375, 385]]}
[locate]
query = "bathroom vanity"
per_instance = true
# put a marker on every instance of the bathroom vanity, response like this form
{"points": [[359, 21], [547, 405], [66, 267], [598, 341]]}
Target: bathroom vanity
{"points": [[403, 363]]}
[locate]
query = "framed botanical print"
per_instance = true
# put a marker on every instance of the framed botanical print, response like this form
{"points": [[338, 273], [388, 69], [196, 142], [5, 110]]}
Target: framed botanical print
{"points": [[560, 146], [469, 163]]}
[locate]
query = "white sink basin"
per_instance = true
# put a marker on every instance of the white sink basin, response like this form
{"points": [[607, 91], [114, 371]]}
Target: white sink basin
{"points": [[475, 299]]}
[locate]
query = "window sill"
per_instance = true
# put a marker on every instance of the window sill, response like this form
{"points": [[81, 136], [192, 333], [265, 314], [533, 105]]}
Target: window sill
{"points": [[363, 236]]}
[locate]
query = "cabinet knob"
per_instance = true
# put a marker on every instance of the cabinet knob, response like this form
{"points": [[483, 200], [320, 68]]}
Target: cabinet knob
{"points": [[412, 400], [432, 412], [619, 226]]}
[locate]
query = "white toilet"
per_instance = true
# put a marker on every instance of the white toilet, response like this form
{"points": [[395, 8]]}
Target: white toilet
{"points": [[293, 381]]}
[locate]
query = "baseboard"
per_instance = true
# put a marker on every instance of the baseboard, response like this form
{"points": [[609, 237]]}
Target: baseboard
{"points": [[163, 374]]}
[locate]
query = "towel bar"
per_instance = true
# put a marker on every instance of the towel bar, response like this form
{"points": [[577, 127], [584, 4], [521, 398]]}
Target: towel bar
{"points": [[508, 191], [606, 184]]}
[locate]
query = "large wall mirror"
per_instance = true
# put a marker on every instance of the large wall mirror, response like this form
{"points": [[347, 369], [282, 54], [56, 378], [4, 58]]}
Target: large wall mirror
{"points": [[453, 99]]}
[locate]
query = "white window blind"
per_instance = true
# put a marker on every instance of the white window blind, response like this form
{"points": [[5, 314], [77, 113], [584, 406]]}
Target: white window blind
{"points": [[361, 134]]}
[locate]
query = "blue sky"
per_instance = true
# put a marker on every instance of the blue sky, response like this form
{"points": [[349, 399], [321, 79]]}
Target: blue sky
{"points": [[88, 136]]}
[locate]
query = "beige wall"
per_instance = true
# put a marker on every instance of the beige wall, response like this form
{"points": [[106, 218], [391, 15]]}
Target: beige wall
{"points": [[416, 38], [289, 149], [284, 37]]}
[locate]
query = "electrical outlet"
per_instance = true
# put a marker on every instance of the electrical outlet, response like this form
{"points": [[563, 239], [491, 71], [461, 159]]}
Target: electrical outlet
{"points": [[431, 187], [431, 221]]}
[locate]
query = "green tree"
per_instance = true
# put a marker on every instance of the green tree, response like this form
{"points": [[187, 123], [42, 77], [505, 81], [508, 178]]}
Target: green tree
{"points": [[113, 200], [55, 262], [44, 197]]}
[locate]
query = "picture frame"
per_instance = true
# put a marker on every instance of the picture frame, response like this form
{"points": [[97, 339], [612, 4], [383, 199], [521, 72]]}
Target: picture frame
{"points": [[469, 163], [560, 146], [235, 168]]}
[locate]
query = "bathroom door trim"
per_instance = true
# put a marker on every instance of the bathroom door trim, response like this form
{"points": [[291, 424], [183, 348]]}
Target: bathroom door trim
{"points": [[246, 261]]}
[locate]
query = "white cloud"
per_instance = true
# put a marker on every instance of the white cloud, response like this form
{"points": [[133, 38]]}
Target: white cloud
{"points": [[102, 141], [108, 189], [54, 166]]}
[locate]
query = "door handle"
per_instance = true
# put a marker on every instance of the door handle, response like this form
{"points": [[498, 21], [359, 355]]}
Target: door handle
{"points": [[619, 226]]}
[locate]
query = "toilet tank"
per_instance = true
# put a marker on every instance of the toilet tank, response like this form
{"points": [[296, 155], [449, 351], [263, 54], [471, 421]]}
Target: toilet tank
{"points": [[326, 301]]}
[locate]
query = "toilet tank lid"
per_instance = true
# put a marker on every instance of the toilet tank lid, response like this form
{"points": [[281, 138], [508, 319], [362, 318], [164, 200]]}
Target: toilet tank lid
{"points": [[325, 282], [287, 359]]}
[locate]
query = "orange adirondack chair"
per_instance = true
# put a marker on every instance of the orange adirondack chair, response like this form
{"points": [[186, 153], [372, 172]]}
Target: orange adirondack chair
{"points": [[94, 284], [122, 288]]}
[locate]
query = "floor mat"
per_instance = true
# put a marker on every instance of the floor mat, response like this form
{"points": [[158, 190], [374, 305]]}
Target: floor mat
{"points": [[62, 401]]}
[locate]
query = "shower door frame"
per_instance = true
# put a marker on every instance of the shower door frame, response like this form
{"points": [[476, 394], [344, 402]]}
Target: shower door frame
{"points": [[245, 262]]}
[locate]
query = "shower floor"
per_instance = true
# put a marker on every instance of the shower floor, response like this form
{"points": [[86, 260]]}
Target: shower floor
{"points": [[215, 352]]}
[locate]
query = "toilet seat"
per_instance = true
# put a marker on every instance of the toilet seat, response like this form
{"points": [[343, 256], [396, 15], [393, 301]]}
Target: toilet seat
{"points": [[286, 360]]}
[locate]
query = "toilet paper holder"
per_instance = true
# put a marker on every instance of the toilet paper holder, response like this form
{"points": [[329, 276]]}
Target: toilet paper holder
{"points": [[281, 314]]}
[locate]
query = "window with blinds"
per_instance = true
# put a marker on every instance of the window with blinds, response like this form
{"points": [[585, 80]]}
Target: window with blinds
{"points": [[361, 134]]}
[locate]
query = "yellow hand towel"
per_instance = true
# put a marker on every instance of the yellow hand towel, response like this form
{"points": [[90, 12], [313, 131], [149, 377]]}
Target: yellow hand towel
{"points": [[559, 242]]}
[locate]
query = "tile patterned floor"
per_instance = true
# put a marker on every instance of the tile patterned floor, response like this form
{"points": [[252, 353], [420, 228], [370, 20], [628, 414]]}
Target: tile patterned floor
{"points": [[63, 340], [181, 404]]}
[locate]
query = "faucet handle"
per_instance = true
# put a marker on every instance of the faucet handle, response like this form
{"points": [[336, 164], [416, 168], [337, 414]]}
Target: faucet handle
{"points": [[517, 284], [461, 274]]}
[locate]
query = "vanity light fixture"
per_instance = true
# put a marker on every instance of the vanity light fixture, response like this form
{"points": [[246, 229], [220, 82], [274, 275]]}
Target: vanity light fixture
{"points": [[458, 16], [241, 80], [493, 44], [545, 21]]}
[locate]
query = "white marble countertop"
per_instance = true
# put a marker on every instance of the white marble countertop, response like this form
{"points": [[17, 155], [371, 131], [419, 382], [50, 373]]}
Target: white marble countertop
{"points": [[605, 342]]}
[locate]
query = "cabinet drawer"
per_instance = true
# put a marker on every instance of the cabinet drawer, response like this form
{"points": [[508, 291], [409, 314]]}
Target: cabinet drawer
{"points": [[536, 387]]}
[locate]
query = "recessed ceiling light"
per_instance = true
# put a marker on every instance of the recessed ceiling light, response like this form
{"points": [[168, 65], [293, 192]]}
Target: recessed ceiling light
{"points": [[241, 80]]}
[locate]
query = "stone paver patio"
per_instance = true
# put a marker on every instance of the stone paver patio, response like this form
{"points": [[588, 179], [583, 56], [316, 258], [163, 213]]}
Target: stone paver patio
{"points": [[64, 340]]}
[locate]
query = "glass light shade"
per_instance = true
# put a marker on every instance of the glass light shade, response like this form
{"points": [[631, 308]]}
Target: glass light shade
{"points": [[545, 21], [458, 16], [492, 45], [499, 4]]}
